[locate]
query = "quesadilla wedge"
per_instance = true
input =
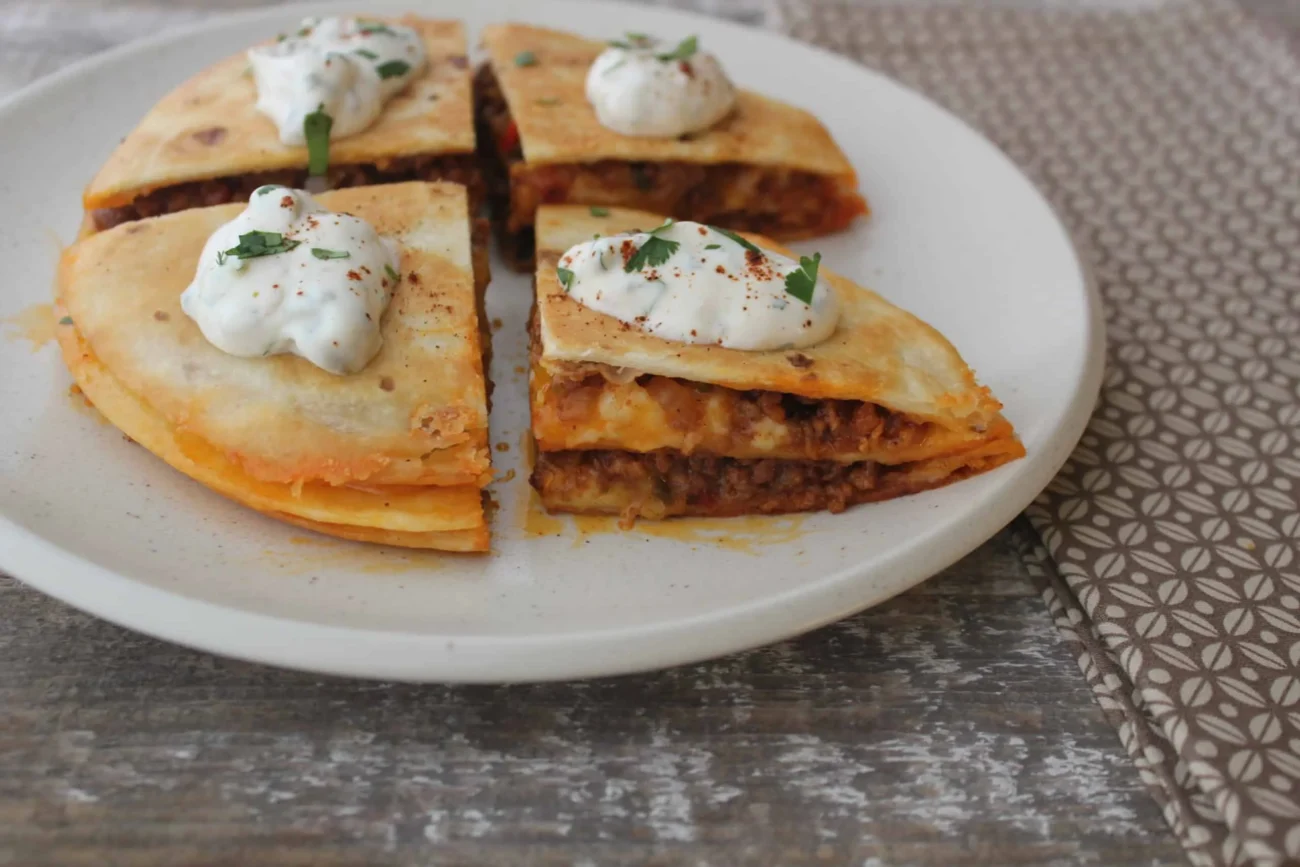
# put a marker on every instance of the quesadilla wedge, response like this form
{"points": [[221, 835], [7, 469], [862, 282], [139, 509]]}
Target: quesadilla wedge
{"points": [[631, 424], [766, 167], [396, 453], [205, 143]]}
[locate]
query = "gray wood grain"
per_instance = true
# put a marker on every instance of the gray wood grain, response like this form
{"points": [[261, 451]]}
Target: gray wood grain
{"points": [[948, 727]]}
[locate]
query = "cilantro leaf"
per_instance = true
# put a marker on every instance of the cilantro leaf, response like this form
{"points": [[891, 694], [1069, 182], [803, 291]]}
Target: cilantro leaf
{"points": [[653, 253], [802, 282], [748, 245], [367, 26], [267, 188], [599, 212], [393, 68], [322, 253], [392, 275], [66, 320], [713, 246], [366, 53], [634, 40], [316, 129], [257, 243], [566, 278], [525, 58], [684, 49]]}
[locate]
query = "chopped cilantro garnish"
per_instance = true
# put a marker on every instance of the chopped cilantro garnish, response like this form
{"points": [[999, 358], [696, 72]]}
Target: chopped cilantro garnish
{"points": [[366, 53], [367, 26], [392, 275], [281, 37], [267, 188], [599, 212], [393, 68], [654, 252], [684, 49], [566, 278], [322, 253], [316, 129], [634, 40], [525, 58], [258, 243], [66, 320], [713, 246], [739, 240], [801, 283]]}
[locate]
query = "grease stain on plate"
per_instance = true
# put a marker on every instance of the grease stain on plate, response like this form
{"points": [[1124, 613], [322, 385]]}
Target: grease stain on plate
{"points": [[35, 324]]}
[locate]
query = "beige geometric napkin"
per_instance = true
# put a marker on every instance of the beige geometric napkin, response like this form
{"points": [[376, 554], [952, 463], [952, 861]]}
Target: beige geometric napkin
{"points": [[1168, 137]]}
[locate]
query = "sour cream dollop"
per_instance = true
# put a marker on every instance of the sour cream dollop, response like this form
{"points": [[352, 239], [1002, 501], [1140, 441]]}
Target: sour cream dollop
{"points": [[647, 88], [289, 276], [709, 288], [347, 67]]}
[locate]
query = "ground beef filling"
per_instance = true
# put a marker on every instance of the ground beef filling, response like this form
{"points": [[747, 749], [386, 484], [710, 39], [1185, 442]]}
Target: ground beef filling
{"points": [[662, 483], [458, 168], [769, 200]]}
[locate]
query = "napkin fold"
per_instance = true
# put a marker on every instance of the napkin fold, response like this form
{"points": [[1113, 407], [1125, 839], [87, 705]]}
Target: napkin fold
{"points": [[1167, 135]]}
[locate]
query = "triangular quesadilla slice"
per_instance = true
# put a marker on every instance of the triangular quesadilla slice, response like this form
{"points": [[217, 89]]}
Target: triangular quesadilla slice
{"points": [[767, 166], [628, 423], [205, 143], [397, 452]]}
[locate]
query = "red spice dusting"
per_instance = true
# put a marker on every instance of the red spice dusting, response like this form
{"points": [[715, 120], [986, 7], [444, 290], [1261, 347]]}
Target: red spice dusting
{"points": [[286, 201], [627, 249], [353, 275], [703, 230], [414, 278], [652, 276], [721, 270], [686, 69]]}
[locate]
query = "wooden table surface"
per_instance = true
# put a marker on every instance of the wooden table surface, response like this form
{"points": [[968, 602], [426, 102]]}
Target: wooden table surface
{"points": [[947, 727]]}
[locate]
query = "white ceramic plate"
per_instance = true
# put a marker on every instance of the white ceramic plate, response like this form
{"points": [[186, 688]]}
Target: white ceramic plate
{"points": [[959, 236]]}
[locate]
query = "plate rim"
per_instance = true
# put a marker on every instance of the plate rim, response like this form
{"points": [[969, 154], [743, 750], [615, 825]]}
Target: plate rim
{"points": [[422, 657]]}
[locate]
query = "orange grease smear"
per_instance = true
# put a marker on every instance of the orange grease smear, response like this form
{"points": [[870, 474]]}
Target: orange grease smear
{"points": [[35, 324]]}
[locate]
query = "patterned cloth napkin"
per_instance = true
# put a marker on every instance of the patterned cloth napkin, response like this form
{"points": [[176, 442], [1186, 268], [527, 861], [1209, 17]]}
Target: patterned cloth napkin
{"points": [[1168, 137]]}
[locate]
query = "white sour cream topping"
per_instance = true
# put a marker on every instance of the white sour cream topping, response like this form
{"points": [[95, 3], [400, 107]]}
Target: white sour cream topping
{"points": [[710, 289], [636, 92], [321, 300], [347, 67]]}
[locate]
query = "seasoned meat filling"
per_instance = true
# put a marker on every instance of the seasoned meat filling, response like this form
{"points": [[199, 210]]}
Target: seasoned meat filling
{"points": [[666, 483], [458, 168]]}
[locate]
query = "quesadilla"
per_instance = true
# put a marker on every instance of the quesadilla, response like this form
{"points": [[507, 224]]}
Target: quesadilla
{"points": [[397, 453], [205, 143], [631, 424], [766, 167]]}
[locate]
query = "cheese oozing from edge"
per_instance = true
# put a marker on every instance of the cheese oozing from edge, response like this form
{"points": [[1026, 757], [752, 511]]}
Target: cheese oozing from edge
{"points": [[289, 276], [643, 87], [692, 283], [346, 67]]}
